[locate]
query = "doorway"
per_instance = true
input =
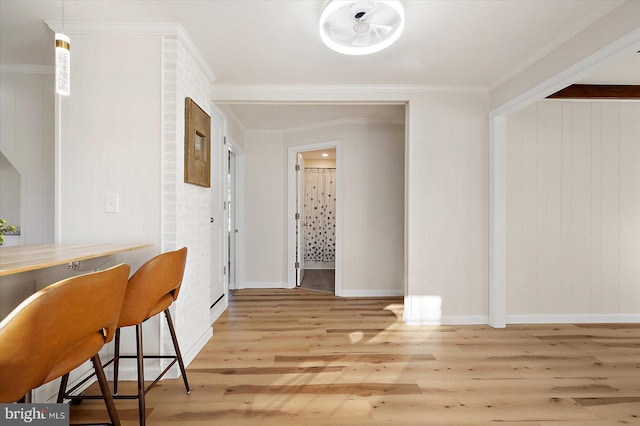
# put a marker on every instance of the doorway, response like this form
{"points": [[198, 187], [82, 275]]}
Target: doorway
{"points": [[232, 212], [313, 228]]}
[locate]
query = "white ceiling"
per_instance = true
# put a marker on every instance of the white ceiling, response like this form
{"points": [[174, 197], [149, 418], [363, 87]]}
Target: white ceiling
{"points": [[317, 155], [454, 43], [277, 41]]}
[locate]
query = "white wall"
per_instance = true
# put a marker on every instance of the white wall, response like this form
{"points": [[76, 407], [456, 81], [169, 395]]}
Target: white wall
{"points": [[110, 141], [186, 208], [573, 211], [447, 201], [264, 210], [10, 184], [371, 180], [234, 130], [122, 131], [27, 140]]}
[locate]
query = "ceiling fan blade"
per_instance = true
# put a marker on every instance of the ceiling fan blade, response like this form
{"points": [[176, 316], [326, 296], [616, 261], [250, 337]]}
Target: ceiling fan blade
{"points": [[340, 20], [362, 39], [341, 33], [372, 11], [381, 27]]}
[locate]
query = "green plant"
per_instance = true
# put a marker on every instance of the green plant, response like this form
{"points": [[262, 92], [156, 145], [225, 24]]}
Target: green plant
{"points": [[4, 228]]}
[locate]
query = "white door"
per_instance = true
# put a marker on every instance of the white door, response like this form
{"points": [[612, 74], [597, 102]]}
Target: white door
{"points": [[217, 219], [299, 220]]}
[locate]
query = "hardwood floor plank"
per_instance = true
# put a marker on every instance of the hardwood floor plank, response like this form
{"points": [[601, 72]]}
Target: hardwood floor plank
{"points": [[296, 357], [377, 358], [607, 400], [359, 389]]}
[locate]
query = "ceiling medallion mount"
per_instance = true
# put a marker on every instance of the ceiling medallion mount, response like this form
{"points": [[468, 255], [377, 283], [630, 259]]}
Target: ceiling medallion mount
{"points": [[361, 27]]}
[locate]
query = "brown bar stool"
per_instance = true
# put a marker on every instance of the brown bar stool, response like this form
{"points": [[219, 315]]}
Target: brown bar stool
{"points": [[59, 328], [151, 290]]}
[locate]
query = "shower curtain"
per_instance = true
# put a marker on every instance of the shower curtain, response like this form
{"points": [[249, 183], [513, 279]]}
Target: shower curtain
{"points": [[320, 215]]}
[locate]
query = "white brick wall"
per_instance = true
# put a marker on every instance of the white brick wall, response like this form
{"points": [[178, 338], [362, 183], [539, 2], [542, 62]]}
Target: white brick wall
{"points": [[185, 207]]}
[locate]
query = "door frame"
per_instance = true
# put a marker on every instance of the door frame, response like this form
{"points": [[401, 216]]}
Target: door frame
{"points": [[291, 208], [237, 189], [300, 193], [217, 212]]}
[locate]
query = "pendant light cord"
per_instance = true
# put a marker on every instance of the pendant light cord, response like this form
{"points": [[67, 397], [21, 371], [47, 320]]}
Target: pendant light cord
{"points": [[63, 16]]}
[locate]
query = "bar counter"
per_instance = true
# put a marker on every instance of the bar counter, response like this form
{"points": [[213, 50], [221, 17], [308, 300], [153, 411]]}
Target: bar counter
{"points": [[18, 259]]}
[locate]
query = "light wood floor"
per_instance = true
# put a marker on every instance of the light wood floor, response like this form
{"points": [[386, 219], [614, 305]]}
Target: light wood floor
{"points": [[298, 357]]}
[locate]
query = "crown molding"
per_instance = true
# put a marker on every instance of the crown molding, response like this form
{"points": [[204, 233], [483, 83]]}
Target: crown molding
{"points": [[134, 28], [392, 94], [27, 68]]}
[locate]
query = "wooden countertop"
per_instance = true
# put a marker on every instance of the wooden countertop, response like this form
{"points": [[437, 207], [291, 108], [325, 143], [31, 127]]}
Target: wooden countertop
{"points": [[18, 259]]}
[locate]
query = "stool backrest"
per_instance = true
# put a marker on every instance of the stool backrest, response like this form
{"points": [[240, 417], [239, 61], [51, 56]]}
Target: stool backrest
{"points": [[58, 328], [159, 278]]}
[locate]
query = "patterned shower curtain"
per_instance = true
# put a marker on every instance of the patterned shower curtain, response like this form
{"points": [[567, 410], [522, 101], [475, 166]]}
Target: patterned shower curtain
{"points": [[320, 215]]}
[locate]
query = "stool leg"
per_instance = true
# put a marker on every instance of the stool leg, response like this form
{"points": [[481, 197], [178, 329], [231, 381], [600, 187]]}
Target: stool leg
{"points": [[174, 338], [63, 388], [140, 356], [106, 392], [116, 361]]}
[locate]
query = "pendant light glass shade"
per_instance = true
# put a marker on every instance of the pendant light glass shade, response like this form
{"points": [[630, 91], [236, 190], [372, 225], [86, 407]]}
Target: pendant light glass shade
{"points": [[63, 64]]}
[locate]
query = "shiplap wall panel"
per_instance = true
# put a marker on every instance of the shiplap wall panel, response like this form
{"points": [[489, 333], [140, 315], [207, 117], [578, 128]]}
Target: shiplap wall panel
{"points": [[580, 234], [609, 295], [573, 209], [629, 207]]}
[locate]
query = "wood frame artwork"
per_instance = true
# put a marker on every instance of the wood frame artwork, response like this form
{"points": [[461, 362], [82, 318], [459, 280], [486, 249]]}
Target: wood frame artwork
{"points": [[197, 145]]}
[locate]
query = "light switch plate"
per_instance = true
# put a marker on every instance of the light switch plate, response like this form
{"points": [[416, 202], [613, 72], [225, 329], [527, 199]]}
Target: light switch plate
{"points": [[111, 202]]}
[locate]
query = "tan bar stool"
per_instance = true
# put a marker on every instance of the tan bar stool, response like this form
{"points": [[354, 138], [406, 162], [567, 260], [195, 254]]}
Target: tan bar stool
{"points": [[59, 328], [151, 290]]}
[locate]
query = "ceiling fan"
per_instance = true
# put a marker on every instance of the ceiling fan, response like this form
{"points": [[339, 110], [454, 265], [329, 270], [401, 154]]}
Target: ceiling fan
{"points": [[361, 27]]}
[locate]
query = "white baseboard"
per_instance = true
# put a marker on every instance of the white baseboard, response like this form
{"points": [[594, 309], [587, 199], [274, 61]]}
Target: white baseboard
{"points": [[573, 318], [196, 347], [449, 320], [218, 309], [369, 293], [264, 284], [427, 310]]}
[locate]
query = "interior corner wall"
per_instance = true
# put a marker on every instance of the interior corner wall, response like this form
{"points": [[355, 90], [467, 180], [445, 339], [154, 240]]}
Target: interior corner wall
{"points": [[573, 212], [27, 141], [236, 133], [448, 208], [186, 208]]}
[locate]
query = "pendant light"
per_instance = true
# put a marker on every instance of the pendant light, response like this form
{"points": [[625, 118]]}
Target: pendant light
{"points": [[63, 61]]}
